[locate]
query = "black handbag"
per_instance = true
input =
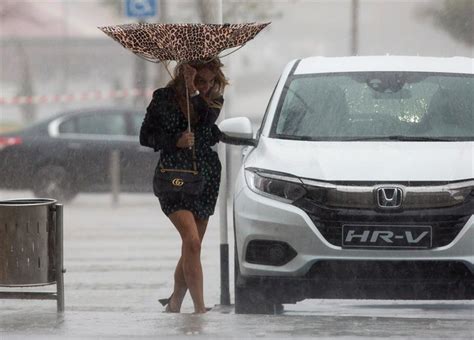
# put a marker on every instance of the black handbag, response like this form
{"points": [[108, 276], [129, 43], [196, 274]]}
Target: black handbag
{"points": [[172, 181]]}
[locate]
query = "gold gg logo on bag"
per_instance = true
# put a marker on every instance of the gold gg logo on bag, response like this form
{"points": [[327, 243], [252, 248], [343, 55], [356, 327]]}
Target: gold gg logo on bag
{"points": [[177, 182]]}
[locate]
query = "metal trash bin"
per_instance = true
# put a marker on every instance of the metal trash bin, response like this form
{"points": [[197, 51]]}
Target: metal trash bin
{"points": [[31, 248]]}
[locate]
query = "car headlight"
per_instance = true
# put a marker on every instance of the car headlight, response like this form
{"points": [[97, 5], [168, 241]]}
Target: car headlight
{"points": [[277, 186]]}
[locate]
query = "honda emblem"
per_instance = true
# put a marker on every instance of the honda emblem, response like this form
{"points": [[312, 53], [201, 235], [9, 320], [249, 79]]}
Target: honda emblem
{"points": [[389, 197]]}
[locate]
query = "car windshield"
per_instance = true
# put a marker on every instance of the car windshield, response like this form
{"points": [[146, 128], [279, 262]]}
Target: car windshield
{"points": [[377, 106]]}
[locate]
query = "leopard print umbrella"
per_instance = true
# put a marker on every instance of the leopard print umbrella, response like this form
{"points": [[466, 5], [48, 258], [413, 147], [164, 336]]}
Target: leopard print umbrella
{"points": [[181, 42]]}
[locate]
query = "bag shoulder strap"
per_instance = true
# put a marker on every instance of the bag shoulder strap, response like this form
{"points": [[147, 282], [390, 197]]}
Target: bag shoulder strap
{"points": [[194, 160]]}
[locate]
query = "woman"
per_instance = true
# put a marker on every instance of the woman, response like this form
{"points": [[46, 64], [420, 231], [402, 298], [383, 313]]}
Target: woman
{"points": [[165, 129]]}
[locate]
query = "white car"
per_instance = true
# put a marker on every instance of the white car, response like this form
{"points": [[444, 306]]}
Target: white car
{"points": [[359, 183]]}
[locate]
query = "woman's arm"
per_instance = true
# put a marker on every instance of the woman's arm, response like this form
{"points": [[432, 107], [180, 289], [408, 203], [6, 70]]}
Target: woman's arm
{"points": [[152, 133]]}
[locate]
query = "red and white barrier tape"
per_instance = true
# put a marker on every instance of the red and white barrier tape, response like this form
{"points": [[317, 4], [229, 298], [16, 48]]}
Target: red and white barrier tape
{"points": [[68, 98]]}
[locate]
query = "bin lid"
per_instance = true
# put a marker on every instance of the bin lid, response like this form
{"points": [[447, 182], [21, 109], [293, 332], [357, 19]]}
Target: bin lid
{"points": [[27, 201]]}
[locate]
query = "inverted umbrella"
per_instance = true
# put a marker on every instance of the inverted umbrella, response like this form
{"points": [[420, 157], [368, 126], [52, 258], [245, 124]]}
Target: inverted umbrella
{"points": [[181, 42]]}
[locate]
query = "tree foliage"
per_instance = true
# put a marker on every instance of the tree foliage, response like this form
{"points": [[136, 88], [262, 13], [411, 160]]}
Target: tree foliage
{"points": [[455, 17]]}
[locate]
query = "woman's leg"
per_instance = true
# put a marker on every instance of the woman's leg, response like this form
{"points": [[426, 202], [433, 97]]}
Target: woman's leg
{"points": [[190, 258], [180, 287]]}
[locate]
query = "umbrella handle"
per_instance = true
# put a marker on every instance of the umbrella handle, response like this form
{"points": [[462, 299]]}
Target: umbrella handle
{"points": [[189, 115], [187, 105], [189, 125]]}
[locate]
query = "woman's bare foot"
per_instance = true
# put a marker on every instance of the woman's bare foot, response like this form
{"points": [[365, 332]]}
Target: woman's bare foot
{"points": [[200, 311], [172, 307], [206, 309]]}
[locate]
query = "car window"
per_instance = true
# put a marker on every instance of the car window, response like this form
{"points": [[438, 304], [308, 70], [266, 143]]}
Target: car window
{"points": [[101, 124], [377, 104], [68, 126]]}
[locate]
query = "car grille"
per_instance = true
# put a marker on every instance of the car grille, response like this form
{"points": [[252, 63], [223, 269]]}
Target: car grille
{"points": [[444, 231], [445, 221]]}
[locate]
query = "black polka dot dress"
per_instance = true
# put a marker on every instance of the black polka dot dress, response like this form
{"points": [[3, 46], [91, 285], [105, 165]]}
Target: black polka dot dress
{"points": [[163, 125]]}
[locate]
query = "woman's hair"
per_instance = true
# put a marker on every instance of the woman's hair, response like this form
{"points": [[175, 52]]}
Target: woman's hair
{"points": [[215, 66]]}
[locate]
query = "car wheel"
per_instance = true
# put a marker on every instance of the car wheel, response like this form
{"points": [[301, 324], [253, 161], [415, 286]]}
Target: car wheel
{"points": [[53, 181], [252, 298]]}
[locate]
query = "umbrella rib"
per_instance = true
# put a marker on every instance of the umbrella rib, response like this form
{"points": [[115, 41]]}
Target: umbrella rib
{"points": [[238, 48]]}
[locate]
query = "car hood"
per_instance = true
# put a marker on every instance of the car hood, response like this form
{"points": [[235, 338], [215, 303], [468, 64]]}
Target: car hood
{"points": [[366, 161]]}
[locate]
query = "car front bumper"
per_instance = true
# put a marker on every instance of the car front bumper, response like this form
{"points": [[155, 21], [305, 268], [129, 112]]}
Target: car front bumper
{"points": [[258, 217]]}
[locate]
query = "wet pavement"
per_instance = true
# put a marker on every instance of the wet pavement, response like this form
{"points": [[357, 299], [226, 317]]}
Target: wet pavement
{"points": [[120, 260]]}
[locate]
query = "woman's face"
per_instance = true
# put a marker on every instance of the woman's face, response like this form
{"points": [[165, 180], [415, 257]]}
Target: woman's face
{"points": [[205, 80]]}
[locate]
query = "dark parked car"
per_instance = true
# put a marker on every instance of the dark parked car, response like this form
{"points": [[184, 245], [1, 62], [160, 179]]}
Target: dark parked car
{"points": [[71, 153]]}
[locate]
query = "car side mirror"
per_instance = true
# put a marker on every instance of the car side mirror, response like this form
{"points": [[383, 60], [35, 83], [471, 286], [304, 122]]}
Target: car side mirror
{"points": [[238, 131]]}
